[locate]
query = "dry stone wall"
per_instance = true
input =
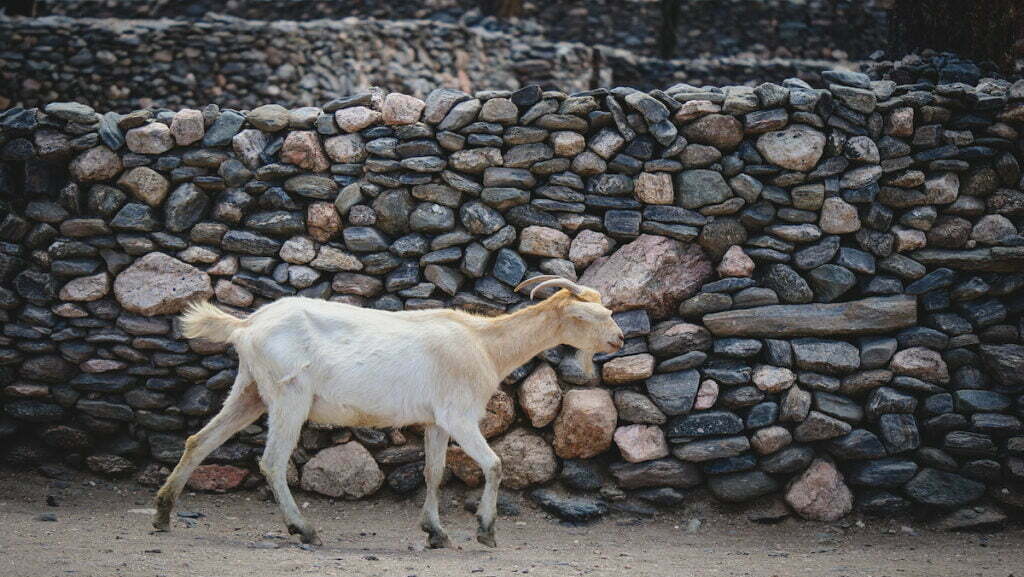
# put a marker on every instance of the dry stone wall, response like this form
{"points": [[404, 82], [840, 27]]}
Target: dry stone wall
{"points": [[122, 65], [821, 289], [773, 28]]}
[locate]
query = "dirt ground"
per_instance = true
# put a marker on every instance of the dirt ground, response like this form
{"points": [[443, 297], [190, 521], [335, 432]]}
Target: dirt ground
{"points": [[102, 530]]}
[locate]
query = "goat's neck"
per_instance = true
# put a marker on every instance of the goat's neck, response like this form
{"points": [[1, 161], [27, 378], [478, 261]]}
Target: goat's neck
{"points": [[516, 338]]}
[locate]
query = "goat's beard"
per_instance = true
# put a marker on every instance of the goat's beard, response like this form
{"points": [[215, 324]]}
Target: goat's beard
{"points": [[585, 359]]}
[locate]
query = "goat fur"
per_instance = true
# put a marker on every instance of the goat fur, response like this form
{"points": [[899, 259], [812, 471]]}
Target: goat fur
{"points": [[307, 359]]}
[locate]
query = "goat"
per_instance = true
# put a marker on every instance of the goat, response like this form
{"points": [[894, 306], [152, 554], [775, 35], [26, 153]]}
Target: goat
{"points": [[306, 359]]}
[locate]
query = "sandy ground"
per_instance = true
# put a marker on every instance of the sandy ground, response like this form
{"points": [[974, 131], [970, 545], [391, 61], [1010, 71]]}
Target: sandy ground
{"points": [[102, 529]]}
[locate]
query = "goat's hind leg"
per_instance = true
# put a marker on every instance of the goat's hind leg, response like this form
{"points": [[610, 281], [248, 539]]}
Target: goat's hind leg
{"points": [[241, 408], [467, 434], [284, 424], [436, 445]]}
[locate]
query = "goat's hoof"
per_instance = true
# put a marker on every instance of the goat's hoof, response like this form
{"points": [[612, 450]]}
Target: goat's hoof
{"points": [[486, 537], [162, 521], [308, 536], [438, 541]]}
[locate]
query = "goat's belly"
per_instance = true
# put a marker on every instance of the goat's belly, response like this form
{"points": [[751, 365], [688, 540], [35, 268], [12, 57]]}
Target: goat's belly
{"points": [[346, 415]]}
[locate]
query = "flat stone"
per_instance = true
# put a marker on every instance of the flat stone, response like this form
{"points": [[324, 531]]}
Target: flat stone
{"points": [[655, 273], [159, 284], [862, 317]]}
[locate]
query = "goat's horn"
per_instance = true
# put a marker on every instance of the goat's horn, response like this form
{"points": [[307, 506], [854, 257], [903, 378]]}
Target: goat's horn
{"points": [[534, 280], [558, 282]]}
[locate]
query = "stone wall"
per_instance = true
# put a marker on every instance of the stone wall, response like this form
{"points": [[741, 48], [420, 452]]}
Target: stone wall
{"points": [[821, 289], [772, 28], [122, 65]]}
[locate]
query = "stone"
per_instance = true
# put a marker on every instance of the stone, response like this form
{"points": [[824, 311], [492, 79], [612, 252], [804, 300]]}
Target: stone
{"points": [[819, 493], [145, 184], [187, 126], [704, 424], [356, 118], [866, 316], [773, 379], [652, 272], [527, 459], [269, 117], [1004, 361], [627, 369], [302, 148], [788, 284], [701, 187], [586, 424], [943, 489], [217, 478], [634, 407], [740, 487], [86, 288], [184, 207], [540, 396], [158, 284], [95, 164], [347, 471], [829, 357], [572, 509], [819, 427], [110, 465], [707, 394], [798, 147], [639, 443], [654, 188], [400, 109], [499, 414], [674, 393], [710, 449], [735, 263], [920, 363], [722, 131], [770, 439], [544, 241], [838, 217], [152, 138], [588, 246], [971, 518]]}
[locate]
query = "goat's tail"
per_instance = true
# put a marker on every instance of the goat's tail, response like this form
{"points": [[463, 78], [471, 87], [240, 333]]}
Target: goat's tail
{"points": [[202, 320]]}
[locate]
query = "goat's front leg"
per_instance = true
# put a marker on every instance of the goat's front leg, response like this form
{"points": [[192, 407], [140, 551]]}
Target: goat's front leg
{"points": [[242, 407], [284, 424], [435, 441], [467, 435]]}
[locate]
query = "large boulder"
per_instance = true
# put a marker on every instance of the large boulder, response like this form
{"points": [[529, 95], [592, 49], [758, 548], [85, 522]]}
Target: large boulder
{"points": [[819, 493], [347, 471], [652, 272], [157, 284], [586, 424]]}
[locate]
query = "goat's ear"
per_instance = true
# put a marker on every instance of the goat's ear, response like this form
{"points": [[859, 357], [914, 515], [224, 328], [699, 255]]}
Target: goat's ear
{"points": [[577, 312]]}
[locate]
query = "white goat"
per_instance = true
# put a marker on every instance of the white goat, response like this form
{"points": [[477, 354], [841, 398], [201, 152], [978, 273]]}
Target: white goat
{"points": [[306, 359]]}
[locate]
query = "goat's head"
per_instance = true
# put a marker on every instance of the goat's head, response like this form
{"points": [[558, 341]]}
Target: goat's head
{"points": [[587, 324]]}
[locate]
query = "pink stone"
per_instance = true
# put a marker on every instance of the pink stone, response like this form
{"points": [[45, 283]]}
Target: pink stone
{"points": [[652, 272], [322, 221], [401, 109], [501, 411], [819, 493], [540, 396], [639, 443], [588, 246], [218, 478], [302, 148], [707, 394], [920, 363], [736, 263]]}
